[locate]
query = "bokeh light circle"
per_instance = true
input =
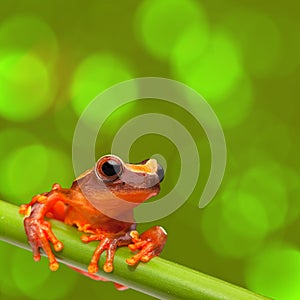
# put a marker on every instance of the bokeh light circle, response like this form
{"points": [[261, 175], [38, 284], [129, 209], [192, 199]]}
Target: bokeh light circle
{"points": [[234, 107], [159, 23], [259, 38], [251, 207], [23, 170], [266, 183], [31, 169], [29, 33], [275, 272], [212, 71], [95, 74], [24, 86], [188, 48], [224, 236]]}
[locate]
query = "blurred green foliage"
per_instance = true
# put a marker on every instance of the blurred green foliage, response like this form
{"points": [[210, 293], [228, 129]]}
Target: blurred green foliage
{"points": [[242, 56]]}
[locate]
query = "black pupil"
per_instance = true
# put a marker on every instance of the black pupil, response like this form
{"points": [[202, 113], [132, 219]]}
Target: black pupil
{"points": [[111, 168]]}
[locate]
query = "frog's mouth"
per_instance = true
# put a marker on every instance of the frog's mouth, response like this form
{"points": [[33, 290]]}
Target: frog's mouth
{"points": [[134, 194], [115, 186], [138, 182]]}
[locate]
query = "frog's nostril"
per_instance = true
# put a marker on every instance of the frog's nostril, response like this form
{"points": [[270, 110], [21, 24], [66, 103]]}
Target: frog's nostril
{"points": [[160, 172]]}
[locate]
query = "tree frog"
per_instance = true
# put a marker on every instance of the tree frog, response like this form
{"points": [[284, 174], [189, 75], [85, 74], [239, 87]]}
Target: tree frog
{"points": [[113, 185]]}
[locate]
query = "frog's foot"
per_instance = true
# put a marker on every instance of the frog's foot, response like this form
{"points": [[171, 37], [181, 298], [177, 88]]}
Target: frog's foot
{"points": [[38, 230], [149, 244], [39, 235], [108, 244]]}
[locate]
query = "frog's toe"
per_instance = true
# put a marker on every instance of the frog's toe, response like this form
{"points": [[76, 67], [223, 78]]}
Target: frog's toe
{"points": [[147, 257], [24, 208], [144, 255], [53, 266], [40, 235], [36, 253], [149, 244], [91, 238], [109, 245], [108, 267], [93, 268]]}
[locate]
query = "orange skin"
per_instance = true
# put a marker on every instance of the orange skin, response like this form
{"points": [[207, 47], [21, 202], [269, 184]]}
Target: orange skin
{"points": [[105, 187]]}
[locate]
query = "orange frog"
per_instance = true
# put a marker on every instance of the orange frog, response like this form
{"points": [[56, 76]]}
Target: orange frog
{"points": [[100, 202]]}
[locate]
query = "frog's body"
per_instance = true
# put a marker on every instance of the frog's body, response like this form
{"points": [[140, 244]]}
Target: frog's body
{"points": [[95, 205]]}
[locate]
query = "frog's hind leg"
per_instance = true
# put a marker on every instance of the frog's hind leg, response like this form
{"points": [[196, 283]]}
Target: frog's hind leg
{"points": [[38, 230]]}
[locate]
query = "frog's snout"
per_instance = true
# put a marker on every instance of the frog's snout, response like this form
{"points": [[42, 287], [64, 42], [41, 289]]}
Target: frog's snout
{"points": [[155, 167], [160, 172]]}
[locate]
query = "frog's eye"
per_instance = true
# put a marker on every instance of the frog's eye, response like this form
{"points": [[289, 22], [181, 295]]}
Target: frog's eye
{"points": [[109, 168]]}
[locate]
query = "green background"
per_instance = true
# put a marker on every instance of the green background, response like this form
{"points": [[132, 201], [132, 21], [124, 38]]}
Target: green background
{"points": [[242, 56]]}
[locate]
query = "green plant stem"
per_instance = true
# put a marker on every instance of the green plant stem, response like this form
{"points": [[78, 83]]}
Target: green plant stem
{"points": [[159, 278]]}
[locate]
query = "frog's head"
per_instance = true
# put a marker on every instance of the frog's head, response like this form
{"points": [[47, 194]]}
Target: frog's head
{"points": [[132, 182]]}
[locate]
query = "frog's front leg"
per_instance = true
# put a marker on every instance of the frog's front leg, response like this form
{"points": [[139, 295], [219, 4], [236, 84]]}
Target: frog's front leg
{"points": [[37, 229], [149, 244], [108, 243]]}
